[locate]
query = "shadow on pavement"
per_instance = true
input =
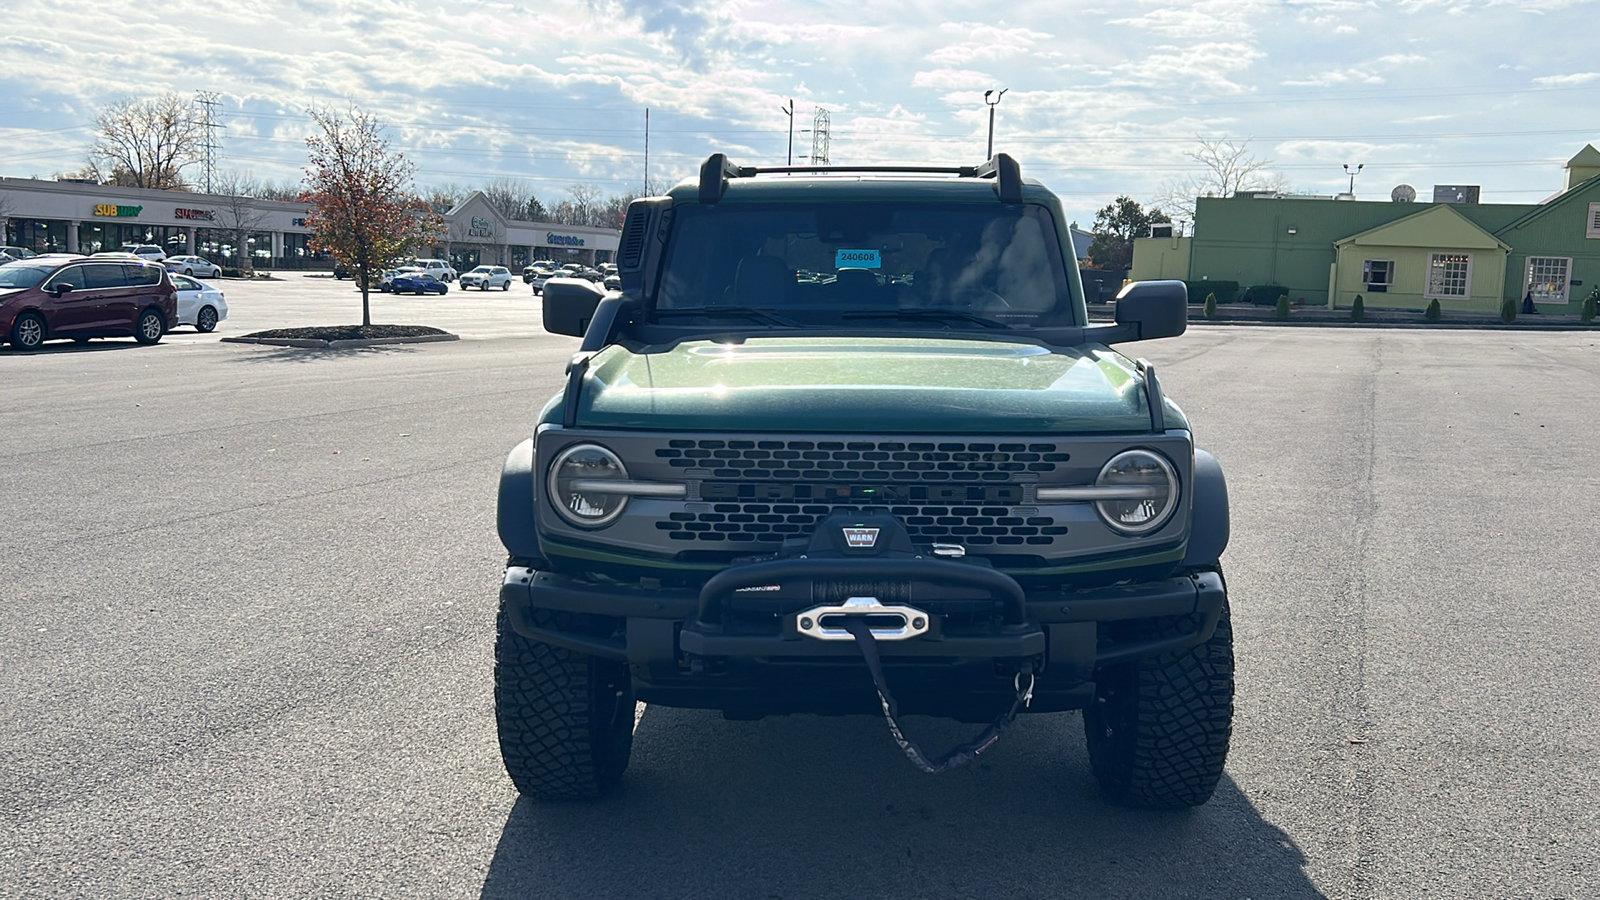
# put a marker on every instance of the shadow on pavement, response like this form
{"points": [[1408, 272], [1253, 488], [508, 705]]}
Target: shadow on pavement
{"points": [[98, 345], [269, 353], [827, 807]]}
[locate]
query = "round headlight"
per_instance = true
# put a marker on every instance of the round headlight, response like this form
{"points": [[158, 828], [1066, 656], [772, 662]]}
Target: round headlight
{"points": [[573, 489], [1139, 469]]}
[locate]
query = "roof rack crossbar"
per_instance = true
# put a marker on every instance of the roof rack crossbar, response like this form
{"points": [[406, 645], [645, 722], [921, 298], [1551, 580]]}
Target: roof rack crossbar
{"points": [[716, 171], [963, 171]]}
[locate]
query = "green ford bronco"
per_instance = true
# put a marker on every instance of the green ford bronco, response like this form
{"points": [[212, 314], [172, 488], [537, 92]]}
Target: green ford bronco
{"points": [[846, 442]]}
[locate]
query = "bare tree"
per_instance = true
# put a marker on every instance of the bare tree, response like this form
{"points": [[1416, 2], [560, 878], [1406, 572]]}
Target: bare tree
{"points": [[279, 190], [146, 143], [1226, 169], [512, 199], [237, 216], [442, 197], [585, 203]]}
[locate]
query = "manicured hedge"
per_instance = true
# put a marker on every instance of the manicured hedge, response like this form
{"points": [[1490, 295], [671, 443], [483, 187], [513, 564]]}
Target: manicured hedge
{"points": [[1264, 294], [1226, 291]]}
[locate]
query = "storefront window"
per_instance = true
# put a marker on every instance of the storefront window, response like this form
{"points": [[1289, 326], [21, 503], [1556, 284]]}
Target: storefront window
{"points": [[37, 235]]}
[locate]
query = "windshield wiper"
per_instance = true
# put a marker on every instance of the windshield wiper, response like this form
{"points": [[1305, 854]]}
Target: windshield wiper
{"points": [[766, 316], [932, 315]]}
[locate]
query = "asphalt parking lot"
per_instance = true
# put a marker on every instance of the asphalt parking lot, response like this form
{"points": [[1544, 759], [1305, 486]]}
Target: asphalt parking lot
{"points": [[247, 642], [293, 299]]}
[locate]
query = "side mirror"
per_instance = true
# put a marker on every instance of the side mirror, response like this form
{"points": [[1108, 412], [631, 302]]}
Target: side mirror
{"points": [[60, 289], [1150, 309], [569, 305]]}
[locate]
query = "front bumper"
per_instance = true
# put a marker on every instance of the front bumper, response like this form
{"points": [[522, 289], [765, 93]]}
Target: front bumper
{"points": [[748, 611]]}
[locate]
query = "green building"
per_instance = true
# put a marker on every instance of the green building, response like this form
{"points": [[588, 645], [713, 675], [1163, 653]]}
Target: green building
{"points": [[1400, 254]]}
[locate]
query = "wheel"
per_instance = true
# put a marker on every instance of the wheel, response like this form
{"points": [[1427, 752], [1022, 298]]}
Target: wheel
{"points": [[444, 289], [189, 272], [149, 328], [206, 319], [506, 286], [1158, 728], [27, 332], [565, 718]]}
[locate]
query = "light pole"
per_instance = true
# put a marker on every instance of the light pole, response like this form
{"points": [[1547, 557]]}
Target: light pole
{"points": [[789, 111], [1352, 174], [989, 153]]}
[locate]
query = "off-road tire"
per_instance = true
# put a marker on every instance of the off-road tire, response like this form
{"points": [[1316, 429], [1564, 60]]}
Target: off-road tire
{"points": [[1158, 728], [565, 718]]}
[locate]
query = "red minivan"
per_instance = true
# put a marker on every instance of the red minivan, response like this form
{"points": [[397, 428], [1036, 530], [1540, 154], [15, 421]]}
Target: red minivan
{"points": [[42, 299]]}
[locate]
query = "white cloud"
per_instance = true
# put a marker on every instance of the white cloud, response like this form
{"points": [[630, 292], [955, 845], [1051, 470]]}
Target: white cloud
{"points": [[1574, 78]]}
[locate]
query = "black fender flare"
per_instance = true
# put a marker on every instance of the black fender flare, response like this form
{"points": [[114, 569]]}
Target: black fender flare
{"points": [[1208, 525], [515, 517]]}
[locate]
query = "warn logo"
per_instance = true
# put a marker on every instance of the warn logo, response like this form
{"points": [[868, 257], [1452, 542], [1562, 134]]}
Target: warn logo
{"points": [[861, 538]]}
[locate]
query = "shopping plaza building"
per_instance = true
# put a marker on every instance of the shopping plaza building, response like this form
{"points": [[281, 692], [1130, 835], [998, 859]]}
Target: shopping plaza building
{"points": [[73, 217]]}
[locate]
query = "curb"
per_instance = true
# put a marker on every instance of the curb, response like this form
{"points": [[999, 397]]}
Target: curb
{"points": [[318, 344]]}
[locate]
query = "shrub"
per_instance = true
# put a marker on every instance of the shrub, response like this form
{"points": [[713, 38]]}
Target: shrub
{"points": [[1508, 310], [1433, 313], [1586, 312], [1264, 294], [1283, 306], [1224, 291], [1358, 309], [1211, 306]]}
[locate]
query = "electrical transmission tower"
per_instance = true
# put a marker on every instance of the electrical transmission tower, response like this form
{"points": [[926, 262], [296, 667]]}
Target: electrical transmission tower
{"points": [[819, 138], [208, 103]]}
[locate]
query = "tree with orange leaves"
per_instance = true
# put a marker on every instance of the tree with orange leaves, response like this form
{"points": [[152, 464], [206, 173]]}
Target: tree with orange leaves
{"points": [[364, 207]]}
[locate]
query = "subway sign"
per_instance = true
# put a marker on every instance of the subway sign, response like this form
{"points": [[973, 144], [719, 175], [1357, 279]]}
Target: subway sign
{"points": [[562, 240], [115, 211]]}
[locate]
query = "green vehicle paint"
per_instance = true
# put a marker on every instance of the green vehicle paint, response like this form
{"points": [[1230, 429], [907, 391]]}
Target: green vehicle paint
{"points": [[891, 385]]}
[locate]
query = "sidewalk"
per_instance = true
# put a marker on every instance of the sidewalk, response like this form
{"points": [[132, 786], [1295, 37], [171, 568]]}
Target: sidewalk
{"points": [[1321, 316]]}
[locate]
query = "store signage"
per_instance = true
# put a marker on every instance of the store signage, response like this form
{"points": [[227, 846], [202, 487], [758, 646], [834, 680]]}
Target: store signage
{"points": [[299, 223], [481, 228], [205, 214], [115, 211], [562, 240]]}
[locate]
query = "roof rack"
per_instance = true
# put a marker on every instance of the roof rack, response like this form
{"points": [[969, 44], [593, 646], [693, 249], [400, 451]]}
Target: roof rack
{"points": [[718, 169]]}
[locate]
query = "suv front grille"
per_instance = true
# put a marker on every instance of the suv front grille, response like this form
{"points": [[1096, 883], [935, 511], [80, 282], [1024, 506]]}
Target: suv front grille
{"points": [[762, 492], [863, 460]]}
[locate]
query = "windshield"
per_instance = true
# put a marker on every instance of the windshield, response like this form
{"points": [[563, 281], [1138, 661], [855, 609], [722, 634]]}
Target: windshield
{"points": [[22, 276], [824, 263]]}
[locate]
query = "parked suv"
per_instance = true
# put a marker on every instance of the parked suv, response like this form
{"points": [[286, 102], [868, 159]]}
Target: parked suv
{"points": [[144, 251], [846, 442], [79, 298], [438, 268]]}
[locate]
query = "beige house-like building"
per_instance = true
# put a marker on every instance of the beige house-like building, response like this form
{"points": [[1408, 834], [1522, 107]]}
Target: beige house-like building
{"points": [[1397, 254]]}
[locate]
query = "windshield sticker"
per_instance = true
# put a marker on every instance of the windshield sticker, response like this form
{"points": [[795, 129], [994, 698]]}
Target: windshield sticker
{"points": [[858, 259]]}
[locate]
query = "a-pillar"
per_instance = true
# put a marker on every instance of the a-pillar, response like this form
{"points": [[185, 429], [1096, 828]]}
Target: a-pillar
{"points": [[72, 237]]}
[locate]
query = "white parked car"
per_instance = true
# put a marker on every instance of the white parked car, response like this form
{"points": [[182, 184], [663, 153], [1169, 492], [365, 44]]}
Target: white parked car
{"points": [[195, 266], [485, 277], [438, 268], [148, 251], [199, 304]]}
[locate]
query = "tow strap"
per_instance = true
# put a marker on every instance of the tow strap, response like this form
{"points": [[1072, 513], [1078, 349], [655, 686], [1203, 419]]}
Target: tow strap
{"points": [[959, 756]]}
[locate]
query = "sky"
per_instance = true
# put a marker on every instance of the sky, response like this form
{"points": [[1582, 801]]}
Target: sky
{"points": [[1102, 98]]}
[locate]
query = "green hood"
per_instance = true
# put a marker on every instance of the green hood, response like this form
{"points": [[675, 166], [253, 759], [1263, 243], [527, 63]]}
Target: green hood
{"points": [[868, 385]]}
